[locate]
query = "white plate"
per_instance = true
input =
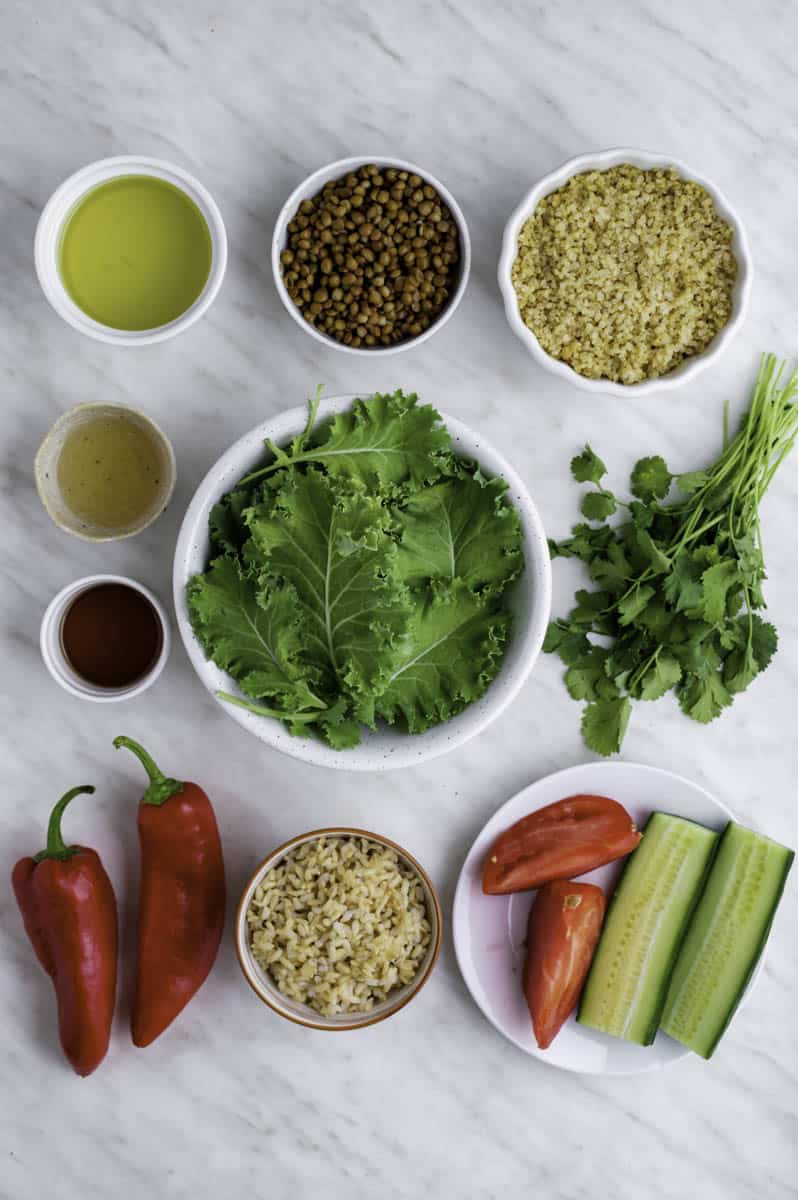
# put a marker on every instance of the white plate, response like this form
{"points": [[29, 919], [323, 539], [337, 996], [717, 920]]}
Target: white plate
{"points": [[490, 931]]}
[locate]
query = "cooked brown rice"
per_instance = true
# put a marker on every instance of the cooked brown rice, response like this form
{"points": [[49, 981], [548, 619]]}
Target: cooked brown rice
{"points": [[625, 273], [339, 924]]}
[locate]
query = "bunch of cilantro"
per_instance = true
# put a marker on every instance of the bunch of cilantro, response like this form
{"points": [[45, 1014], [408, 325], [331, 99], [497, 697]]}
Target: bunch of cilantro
{"points": [[359, 574], [677, 584]]}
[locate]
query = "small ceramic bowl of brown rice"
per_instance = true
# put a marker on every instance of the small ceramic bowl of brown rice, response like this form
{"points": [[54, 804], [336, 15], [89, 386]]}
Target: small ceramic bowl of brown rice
{"points": [[625, 272], [338, 929]]}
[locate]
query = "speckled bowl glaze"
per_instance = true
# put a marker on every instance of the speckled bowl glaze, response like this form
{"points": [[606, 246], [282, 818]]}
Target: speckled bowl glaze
{"points": [[264, 986], [602, 161], [385, 748]]}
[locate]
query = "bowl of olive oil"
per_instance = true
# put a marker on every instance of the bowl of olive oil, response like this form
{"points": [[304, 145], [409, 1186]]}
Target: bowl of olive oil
{"points": [[105, 471], [131, 250]]}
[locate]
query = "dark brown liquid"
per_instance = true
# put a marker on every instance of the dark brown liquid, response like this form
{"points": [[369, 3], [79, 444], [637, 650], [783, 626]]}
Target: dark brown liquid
{"points": [[111, 635]]}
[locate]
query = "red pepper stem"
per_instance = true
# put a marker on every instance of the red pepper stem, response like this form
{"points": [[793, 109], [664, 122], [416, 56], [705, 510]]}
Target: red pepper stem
{"points": [[56, 846], [161, 786]]}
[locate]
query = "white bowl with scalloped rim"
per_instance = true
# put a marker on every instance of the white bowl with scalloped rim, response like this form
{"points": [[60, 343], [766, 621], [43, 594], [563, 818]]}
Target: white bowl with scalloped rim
{"points": [[387, 747], [602, 161]]}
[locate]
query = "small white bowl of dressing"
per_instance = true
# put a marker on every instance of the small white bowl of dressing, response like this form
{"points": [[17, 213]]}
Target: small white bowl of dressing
{"points": [[105, 472]]}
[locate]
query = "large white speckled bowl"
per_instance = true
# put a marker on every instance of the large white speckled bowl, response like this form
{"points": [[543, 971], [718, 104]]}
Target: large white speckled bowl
{"points": [[387, 747]]}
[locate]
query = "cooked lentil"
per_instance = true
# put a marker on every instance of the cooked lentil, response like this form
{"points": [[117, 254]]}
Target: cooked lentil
{"points": [[339, 924], [372, 259], [625, 273]]}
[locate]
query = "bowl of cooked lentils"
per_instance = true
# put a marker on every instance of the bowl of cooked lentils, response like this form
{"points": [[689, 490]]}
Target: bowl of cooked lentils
{"points": [[625, 272], [338, 929], [371, 255]]}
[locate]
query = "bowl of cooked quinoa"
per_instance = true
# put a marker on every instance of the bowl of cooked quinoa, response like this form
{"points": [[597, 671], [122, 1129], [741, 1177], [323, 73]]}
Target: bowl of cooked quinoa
{"points": [[625, 272], [338, 929]]}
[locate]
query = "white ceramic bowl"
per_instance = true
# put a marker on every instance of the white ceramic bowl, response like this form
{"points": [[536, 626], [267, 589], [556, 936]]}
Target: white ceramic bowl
{"points": [[301, 1014], [46, 472], [60, 205], [386, 748], [59, 665], [691, 367], [310, 187]]}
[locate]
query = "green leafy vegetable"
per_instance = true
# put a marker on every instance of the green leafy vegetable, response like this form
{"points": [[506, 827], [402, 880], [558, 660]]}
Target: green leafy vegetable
{"points": [[651, 479], [587, 467], [677, 584], [360, 574]]}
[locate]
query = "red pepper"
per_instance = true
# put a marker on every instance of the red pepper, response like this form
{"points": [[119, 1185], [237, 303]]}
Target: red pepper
{"points": [[562, 934], [182, 898], [570, 837], [69, 911]]}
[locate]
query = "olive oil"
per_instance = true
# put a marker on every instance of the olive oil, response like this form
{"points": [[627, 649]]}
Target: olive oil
{"points": [[135, 252], [109, 471]]}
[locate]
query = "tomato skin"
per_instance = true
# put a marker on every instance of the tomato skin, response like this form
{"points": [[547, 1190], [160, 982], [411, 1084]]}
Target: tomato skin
{"points": [[563, 931], [564, 839]]}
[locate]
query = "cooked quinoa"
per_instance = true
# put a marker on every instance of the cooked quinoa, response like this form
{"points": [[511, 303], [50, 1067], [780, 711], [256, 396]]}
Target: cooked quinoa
{"points": [[339, 924], [625, 273]]}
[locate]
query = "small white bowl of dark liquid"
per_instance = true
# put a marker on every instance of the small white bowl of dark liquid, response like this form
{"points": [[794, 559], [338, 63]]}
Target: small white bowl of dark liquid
{"points": [[105, 638]]}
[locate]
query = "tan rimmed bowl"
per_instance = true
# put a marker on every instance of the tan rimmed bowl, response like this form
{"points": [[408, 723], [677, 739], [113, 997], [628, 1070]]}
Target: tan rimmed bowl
{"points": [[301, 1014], [46, 472]]}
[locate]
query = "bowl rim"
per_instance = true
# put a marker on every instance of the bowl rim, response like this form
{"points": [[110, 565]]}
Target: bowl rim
{"points": [[313, 183], [272, 859], [533, 629], [62, 423], [646, 160], [74, 188]]}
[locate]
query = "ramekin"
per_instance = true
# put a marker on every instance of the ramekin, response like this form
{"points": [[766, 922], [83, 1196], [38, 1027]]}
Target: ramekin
{"points": [[301, 1014], [310, 187], [46, 473], [60, 205], [601, 161], [53, 651]]}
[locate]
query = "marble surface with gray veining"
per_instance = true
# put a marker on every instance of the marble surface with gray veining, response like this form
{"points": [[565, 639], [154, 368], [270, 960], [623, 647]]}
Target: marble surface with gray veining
{"points": [[234, 1102]]}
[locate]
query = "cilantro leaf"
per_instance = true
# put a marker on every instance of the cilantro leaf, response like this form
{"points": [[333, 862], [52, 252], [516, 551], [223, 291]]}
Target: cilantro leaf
{"points": [[561, 638], [703, 698], [614, 572], [585, 543], [453, 650], [745, 662], [587, 467], [587, 679], [716, 582], [632, 605], [460, 528], [651, 479], [597, 506], [660, 678], [657, 560], [604, 724], [683, 587]]}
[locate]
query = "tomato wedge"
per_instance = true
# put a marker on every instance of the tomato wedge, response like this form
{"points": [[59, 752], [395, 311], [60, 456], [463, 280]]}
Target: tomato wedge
{"points": [[557, 842], [563, 931]]}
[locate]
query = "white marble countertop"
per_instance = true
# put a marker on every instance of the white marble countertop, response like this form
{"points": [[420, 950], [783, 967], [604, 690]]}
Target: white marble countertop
{"points": [[251, 97]]}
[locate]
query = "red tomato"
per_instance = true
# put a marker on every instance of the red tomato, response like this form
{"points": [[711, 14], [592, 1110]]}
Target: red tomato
{"points": [[559, 841], [564, 926]]}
